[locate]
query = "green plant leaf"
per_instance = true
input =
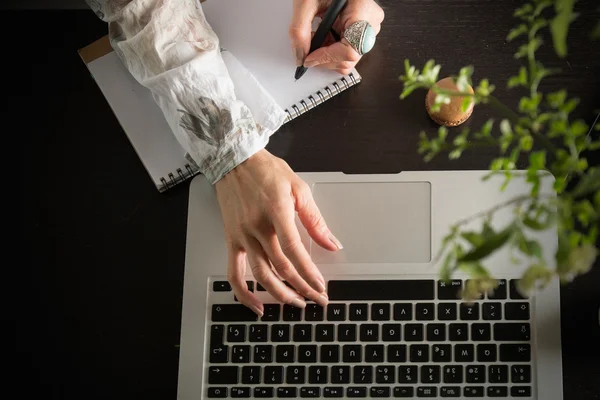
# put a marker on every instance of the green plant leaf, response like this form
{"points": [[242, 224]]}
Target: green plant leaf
{"points": [[490, 245], [537, 159], [589, 183], [538, 224], [559, 26], [534, 274], [473, 238], [516, 32], [530, 248]]}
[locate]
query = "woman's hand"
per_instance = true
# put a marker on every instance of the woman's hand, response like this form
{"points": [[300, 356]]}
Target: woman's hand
{"points": [[259, 200], [339, 56]]}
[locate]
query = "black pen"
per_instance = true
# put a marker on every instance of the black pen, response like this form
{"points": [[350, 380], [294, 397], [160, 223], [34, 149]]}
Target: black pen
{"points": [[324, 28]]}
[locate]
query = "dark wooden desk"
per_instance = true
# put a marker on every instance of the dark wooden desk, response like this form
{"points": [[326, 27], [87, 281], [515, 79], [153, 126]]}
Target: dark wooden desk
{"points": [[99, 305]]}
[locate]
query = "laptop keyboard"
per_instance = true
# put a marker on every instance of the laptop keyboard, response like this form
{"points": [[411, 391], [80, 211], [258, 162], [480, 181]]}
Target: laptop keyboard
{"points": [[375, 339]]}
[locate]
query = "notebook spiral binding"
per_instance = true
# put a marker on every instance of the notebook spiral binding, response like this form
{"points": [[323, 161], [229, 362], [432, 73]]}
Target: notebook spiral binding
{"points": [[178, 177], [321, 96], [294, 111]]}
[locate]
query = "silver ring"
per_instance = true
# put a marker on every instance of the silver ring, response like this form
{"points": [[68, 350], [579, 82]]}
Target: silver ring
{"points": [[361, 37]]}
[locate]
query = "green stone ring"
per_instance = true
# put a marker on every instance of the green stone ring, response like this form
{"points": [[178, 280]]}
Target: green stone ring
{"points": [[361, 36]]}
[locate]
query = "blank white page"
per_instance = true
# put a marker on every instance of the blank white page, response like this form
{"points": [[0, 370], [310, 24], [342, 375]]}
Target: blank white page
{"points": [[256, 33]]}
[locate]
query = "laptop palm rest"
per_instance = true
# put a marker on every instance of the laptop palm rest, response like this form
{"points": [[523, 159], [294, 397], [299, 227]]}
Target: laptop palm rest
{"points": [[377, 222]]}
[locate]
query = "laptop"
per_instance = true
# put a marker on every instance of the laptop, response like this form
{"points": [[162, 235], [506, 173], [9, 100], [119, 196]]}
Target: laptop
{"points": [[392, 328]]}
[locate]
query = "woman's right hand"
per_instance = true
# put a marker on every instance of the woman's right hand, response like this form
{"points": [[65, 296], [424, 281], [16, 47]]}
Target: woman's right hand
{"points": [[259, 200]]}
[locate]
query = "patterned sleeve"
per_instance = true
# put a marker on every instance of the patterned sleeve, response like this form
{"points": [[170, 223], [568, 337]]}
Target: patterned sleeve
{"points": [[168, 47]]}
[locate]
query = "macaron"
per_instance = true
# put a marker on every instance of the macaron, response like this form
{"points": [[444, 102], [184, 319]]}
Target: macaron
{"points": [[449, 114]]}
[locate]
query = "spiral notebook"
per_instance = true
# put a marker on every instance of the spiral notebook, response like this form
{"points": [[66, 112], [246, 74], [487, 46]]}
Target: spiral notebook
{"points": [[255, 32]]}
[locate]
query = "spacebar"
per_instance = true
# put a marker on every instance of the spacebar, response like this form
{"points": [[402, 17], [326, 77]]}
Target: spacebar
{"points": [[381, 290]]}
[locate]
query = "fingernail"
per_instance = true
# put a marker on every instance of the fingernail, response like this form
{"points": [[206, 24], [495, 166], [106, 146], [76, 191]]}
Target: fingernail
{"points": [[299, 54], [311, 63], [323, 300], [257, 311], [335, 241], [298, 302]]}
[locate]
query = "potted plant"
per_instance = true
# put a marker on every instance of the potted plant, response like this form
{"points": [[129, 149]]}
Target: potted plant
{"points": [[541, 130]]}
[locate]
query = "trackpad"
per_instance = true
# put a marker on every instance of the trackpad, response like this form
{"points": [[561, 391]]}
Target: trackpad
{"points": [[377, 222]]}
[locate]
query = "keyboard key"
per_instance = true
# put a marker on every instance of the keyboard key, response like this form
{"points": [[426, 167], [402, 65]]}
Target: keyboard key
{"points": [[307, 353], [520, 374], [352, 353], [486, 353], [390, 332], [219, 354], [359, 312], [514, 292], [520, 391], [381, 290], [458, 332], [511, 332], [330, 353], [217, 392], [363, 374], [340, 374], [449, 290], [473, 391], [441, 353], [313, 312], [295, 374], [333, 391], [273, 375], [425, 311], [380, 312], [481, 332], [302, 333], [291, 313], [404, 391], [250, 285], [385, 374], [286, 392], [379, 391], [236, 333], [516, 311], [450, 391], [403, 312], [464, 353], [447, 311], [280, 333], [263, 392], [497, 391], [515, 352], [419, 353], [453, 374], [500, 292], [232, 313], [250, 375], [369, 332], [284, 353], [498, 373], [260, 288], [436, 332], [271, 312], [336, 312], [240, 354], [324, 332], [413, 332], [356, 392], [263, 353], [475, 373], [346, 333], [430, 374], [317, 374], [407, 374], [396, 353], [374, 353], [258, 333], [469, 312], [216, 335], [221, 286], [492, 311], [240, 392], [219, 375], [427, 391], [310, 392]]}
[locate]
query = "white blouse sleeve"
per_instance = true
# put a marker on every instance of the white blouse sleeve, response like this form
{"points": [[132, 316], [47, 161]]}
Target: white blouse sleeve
{"points": [[169, 47]]}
